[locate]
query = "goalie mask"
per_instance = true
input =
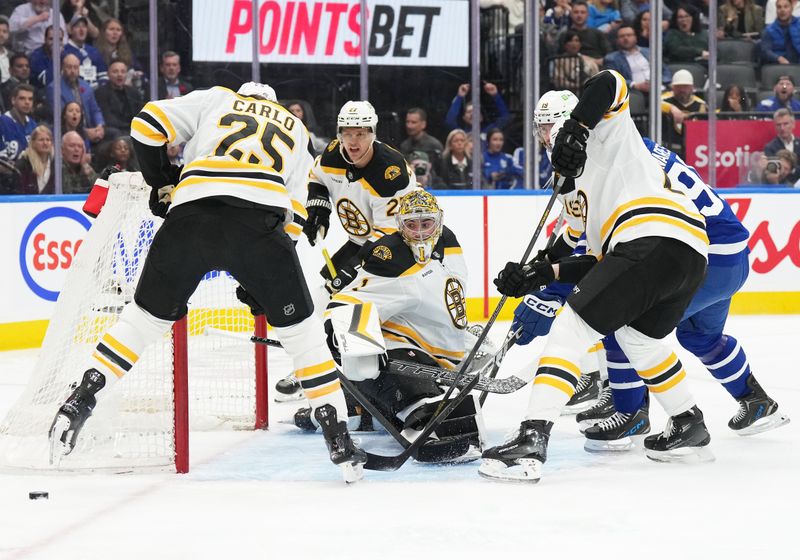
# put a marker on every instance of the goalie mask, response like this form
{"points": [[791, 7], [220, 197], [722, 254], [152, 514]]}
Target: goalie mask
{"points": [[419, 220], [259, 91], [552, 106], [356, 115]]}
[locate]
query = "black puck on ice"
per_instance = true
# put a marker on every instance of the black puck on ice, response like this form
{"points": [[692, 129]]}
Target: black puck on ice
{"points": [[39, 495]]}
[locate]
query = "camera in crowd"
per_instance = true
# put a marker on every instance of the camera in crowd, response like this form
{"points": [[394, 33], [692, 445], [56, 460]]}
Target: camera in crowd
{"points": [[773, 166]]}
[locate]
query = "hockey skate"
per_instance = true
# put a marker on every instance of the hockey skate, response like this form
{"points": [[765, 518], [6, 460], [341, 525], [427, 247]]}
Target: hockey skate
{"points": [[342, 450], [684, 439], [521, 459], [617, 432], [757, 412], [586, 393], [73, 414], [603, 408], [358, 419], [288, 389]]}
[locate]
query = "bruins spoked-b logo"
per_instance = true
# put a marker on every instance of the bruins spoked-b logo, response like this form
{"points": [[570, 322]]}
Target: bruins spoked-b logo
{"points": [[456, 303], [353, 221]]}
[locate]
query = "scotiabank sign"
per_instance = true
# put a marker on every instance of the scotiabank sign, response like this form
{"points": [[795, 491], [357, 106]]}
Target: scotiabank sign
{"points": [[737, 141], [400, 32]]}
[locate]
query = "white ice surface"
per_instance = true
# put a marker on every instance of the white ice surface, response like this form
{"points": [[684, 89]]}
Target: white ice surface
{"points": [[274, 495]]}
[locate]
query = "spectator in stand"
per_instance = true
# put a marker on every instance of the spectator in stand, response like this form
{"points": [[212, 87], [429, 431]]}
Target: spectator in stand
{"points": [[780, 41], [170, 84], [83, 8], [119, 153], [418, 140], [5, 61], [72, 120], [20, 70], [558, 15], [633, 62], [16, 124], [682, 94], [604, 15], [93, 68], [36, 165], [784, 122], [734, 100], [632, 11], [499, 169], [42, 60], [113, 45], [460, 113], [77, 175], [594, 42], [574, 68], [685, 41], [303, 111], [740, 19], [118, 102], [771, 11], [454, 170], [784, 96], [28, 22], [73, 88], [779, 169], [175, 154], [516, 11], [420, 162]]}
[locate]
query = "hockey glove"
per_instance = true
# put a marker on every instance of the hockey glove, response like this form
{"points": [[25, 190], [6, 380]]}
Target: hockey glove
{"points": [[319, 219], [243, 296], [534, 315], [569, 150], [516, 280], [344, 276], [109, 171], [160, 200]]}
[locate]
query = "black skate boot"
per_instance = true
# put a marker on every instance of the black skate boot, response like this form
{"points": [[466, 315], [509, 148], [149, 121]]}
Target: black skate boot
{"points": [[757, 412], [288, 389], [73, 414], [616, 432], [521, 459], [684, 439], [342, 450], [602, 409], [586, 393], [358, 419]]}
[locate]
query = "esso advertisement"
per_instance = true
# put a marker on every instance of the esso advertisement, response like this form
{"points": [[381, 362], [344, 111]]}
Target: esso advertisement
{"points": [[47, 248]]}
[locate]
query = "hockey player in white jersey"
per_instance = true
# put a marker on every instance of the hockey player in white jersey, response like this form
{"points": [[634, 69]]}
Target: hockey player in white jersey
{"points": [[227, 209], [647, 248], [362, 179], [406, 303]]}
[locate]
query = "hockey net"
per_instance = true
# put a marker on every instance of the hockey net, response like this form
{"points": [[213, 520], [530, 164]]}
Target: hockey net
{"points": [[142, 422]]}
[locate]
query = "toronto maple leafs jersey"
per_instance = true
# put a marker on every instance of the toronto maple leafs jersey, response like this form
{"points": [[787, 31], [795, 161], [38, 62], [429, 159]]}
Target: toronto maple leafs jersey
{"points": [[236, 146], [365, 199], [726, 235], [421, 307]]}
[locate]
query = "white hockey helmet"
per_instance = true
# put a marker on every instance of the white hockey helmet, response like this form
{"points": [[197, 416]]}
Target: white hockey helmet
{"points": [[260, 91], [419, 220], [357, 114], [552, 106]]}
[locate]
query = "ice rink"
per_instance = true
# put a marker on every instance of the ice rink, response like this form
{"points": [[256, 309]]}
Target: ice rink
{"points": [[273, 494]]}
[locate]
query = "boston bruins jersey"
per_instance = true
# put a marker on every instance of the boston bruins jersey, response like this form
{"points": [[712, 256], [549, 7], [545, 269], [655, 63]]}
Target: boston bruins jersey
{"points": [[236, 146], [623, 193], [421, 307], [366, 199]]}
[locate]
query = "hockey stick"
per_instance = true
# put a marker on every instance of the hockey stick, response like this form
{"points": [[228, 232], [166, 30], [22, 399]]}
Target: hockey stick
{"points": [[326, 255], [513, 336]]}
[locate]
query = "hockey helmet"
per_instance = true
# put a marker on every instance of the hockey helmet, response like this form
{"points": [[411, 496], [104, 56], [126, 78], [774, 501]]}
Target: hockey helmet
{"points": [[260, 91], [552, 106], [357, 114], [419, 220]]}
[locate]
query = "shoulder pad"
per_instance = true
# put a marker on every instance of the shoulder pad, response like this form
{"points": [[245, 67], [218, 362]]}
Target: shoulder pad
{"points": [[332, 157], [389, 257], [388, 171]]}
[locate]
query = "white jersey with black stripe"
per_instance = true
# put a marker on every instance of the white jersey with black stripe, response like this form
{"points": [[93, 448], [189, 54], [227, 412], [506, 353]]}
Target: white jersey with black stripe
{"points": [[241, 147]]}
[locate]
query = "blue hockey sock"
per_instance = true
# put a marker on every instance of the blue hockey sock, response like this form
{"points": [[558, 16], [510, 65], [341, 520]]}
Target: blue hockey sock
{"points": [[627, 388], [728, 364]]}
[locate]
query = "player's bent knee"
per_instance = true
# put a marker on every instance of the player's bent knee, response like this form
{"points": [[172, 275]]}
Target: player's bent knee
{"points": [[696, 343], [148, 326]]}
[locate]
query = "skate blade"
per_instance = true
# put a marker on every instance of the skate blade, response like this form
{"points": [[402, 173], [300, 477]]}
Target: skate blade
{"points": [[283, 397], [571, 409], [612, 446], [352, 472], [688, 455], [775, 420], [526, 470]]}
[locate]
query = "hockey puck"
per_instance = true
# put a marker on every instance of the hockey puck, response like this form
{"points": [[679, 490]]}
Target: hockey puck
{"points": [[39, 495]]}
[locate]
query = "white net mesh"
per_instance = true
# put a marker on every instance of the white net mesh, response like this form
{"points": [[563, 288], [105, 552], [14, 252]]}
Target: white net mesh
{"points": [[134, 424]]}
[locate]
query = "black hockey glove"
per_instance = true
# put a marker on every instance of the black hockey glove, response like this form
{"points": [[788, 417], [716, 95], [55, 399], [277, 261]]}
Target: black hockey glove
{"points": [[516, 280], [319, 219], [569, 150], [160, 198], [344, 276], [249, 301], [109, 171]]}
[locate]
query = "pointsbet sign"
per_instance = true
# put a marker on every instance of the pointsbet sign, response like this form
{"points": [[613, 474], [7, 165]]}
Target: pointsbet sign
{"points": [[399, 32]]}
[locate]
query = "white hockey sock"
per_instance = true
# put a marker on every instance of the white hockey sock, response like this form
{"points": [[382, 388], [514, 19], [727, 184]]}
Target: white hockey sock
{"points": [[120, 347], [592, 361], [313, 363], [659, 368], [559, 366]]}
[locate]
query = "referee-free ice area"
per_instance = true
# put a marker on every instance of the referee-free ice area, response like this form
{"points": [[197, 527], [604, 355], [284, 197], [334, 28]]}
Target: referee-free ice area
{"points": [[273, 494]]}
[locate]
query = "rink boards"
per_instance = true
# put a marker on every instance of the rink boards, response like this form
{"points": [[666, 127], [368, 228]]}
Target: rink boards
{"points": [[42, 234]]}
